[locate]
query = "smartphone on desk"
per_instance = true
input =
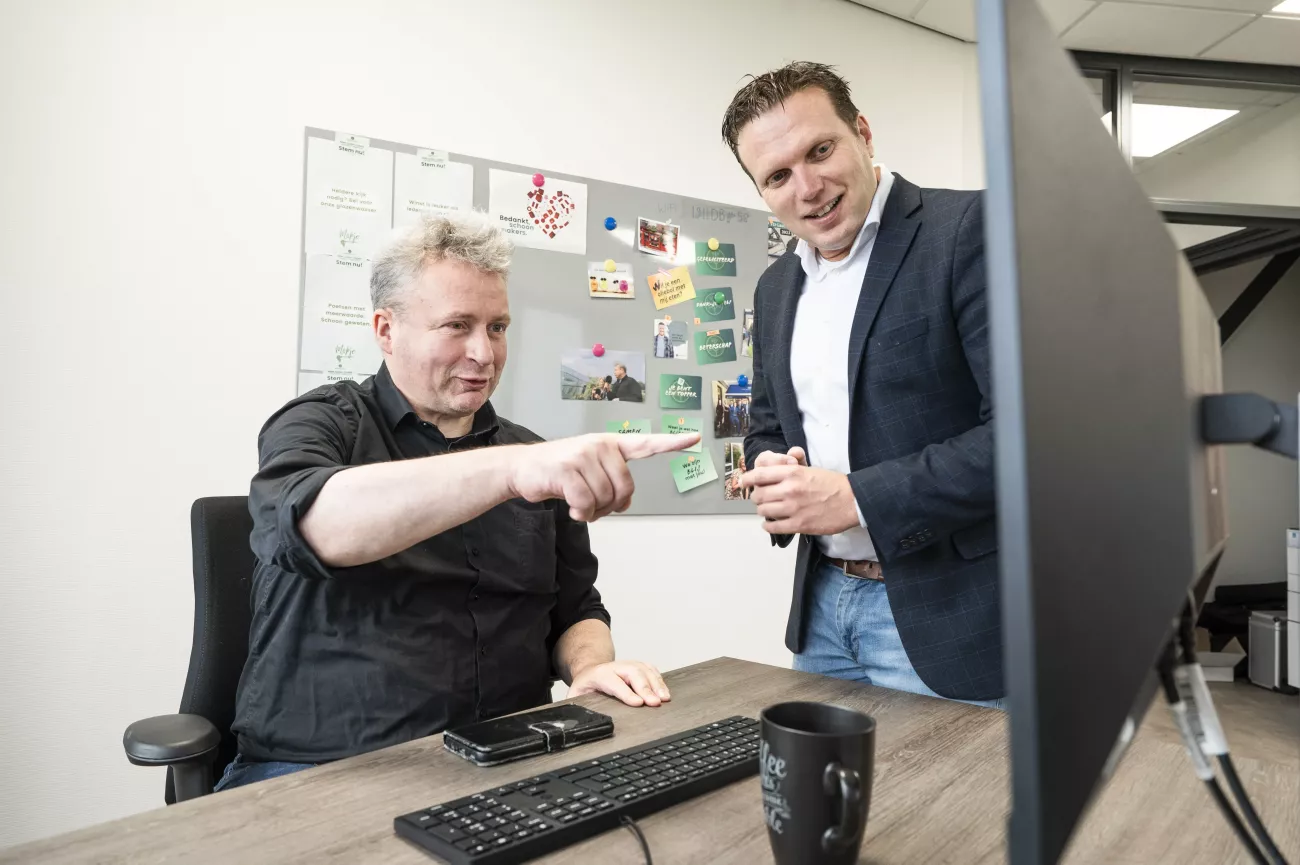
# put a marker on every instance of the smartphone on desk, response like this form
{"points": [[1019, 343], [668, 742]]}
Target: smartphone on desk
{"points": [[515, 737]]}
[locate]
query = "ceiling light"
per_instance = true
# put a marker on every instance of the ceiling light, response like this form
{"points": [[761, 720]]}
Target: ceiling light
{"points": [[1288, 7], [1156, 128]]}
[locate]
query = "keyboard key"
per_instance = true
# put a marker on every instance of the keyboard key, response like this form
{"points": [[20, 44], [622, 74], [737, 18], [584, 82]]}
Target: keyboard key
{"points": [[604, 806], [462, 823], [568, 818], [427, 820], [586, 812], [476, 829], [535, 823], [503, 841], [496, 823], [522, 834], [478, 849], [450, 834], [517, 816], [578, 797], [466, 843]]}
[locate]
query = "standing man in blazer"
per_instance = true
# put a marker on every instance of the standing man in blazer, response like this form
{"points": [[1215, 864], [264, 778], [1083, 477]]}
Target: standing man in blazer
{"points": [[871, 423]]}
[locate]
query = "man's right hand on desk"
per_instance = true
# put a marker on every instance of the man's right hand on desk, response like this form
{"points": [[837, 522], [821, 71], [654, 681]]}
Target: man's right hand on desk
{"points": [[589, 472]]}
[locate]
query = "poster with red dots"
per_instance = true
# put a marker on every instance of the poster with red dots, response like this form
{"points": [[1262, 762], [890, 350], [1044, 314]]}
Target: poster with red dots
{"points": [[550, 215]]}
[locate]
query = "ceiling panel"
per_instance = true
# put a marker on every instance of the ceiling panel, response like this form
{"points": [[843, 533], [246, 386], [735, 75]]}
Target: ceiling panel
{"points": [[954, 17], [1267, 40], [1163, 30], [1251, 6], [900, 8], [1062, 13]]}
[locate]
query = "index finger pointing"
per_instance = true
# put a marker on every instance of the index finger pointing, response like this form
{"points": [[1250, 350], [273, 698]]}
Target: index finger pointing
{"points": [[635, 447]]}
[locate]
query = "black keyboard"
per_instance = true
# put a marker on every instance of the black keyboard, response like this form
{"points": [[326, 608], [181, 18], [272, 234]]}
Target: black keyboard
{"points": [[539, 815]]}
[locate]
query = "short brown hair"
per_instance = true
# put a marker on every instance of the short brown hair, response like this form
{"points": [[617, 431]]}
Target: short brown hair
{"points": [[764, 92]]}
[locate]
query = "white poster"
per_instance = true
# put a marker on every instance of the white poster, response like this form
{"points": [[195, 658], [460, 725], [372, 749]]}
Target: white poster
{"points": [[312, 380], [428, 184], [349, 197], [337, 335], [550, 216]]}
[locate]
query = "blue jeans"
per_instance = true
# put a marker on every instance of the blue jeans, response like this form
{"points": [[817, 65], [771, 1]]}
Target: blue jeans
{"points": [[242, 771], [850, 634]]}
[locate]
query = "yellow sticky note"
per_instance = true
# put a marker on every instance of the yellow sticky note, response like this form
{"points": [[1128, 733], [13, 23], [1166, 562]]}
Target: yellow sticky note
{"points": [[675, 287]]}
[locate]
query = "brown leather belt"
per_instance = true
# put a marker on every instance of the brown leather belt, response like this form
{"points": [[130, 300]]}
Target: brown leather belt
{"points": [[861, 570]]}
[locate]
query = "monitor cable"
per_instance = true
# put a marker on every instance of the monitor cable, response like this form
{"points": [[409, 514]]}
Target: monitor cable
{"points": [[1188, 696]]}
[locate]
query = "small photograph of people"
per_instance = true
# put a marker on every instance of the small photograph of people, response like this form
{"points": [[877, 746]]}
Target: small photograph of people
{"points": [[615, 376]]}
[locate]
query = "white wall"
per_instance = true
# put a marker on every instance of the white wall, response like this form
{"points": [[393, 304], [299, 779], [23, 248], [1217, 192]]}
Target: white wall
{"points": [[152, 197], [1263, 356]]}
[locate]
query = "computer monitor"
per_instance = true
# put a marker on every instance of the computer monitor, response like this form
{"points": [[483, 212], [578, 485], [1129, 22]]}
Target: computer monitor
{"points": [[1110, 509]]}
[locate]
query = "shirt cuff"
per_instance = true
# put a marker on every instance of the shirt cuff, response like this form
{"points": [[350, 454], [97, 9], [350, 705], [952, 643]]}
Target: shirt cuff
{"points": [[862, 521]]}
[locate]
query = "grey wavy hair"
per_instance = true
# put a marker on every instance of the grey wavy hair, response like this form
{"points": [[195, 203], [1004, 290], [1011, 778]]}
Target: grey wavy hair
{"points": [[468, 237]]}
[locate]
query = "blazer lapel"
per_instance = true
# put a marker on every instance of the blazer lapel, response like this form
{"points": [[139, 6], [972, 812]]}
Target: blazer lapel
{"points": [[785, 305], [898, 225]]}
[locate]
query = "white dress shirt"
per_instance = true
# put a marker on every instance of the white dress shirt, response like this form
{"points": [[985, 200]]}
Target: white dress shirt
{"points": [[819, 360]]}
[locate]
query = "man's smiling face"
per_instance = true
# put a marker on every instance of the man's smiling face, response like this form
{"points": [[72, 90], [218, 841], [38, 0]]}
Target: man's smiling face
{"points": [[813, 170]]}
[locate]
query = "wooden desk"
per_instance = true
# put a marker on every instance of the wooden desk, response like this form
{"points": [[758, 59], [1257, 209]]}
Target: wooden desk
{"points": [[940, 794]]}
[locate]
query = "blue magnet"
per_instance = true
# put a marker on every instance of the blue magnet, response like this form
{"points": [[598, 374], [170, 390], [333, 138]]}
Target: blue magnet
{"points": [[610, 223], [742, 380]]}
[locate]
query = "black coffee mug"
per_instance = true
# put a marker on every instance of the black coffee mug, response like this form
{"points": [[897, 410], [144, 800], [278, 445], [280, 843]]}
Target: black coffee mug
{"points": [[815, 765]]}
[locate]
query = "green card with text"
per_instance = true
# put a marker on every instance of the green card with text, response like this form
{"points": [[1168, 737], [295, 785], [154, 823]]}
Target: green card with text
{"points": [[680, 392], [691, 471], [715, 262], [623, 427], [678, 424], [714, 304], [715, 346]]}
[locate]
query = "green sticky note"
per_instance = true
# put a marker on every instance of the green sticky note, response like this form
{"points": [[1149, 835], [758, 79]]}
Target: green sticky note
{"points": [[680, 392], [623, 427], [714, 304], [691, 471], [720, 262], [676, 424], [715, 346]]}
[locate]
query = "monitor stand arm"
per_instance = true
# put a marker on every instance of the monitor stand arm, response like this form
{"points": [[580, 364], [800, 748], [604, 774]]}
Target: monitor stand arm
{"points": [[1248, 418]]}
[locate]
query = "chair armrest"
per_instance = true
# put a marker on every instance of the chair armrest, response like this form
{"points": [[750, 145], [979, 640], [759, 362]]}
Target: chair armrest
{"points": [[167, 739]]}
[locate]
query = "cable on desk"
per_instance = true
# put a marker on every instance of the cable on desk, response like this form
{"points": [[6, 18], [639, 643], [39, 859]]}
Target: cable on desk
{"points": [[640, 836], [1247, 809], [1235, 822]]}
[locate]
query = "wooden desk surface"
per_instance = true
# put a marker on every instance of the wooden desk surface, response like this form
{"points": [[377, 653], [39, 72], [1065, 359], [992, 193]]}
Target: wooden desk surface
{"points": [[940, 794]]}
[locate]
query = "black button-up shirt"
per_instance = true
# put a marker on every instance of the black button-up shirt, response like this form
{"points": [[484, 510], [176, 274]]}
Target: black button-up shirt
{"points": [[457, 628]]}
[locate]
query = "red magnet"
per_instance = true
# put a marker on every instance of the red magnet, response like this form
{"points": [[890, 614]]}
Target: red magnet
{"points": [[538, 180], [622, 285], [598, 349]]}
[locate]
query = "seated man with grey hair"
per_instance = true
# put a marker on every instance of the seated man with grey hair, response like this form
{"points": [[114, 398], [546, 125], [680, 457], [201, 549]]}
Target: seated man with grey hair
{"points": [[422, 562]]}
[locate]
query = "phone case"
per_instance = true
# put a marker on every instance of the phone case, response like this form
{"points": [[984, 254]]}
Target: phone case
{"points": [[515, 737]]}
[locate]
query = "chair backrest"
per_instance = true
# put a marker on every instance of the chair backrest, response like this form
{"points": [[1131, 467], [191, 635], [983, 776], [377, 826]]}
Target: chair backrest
{"points": [[223, 571]]}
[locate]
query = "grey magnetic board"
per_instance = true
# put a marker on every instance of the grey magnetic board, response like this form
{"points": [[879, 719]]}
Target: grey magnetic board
{"points": [[552, 313]]}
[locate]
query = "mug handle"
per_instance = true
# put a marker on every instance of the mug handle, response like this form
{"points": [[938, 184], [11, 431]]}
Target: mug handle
{"points": [[846, 782]]}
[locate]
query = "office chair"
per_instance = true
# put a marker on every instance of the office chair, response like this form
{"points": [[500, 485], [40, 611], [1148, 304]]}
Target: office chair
{"points": [[197, 745]]}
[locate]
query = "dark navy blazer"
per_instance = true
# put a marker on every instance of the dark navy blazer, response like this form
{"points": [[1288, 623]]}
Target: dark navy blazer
{"points": [[920, 431]]}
